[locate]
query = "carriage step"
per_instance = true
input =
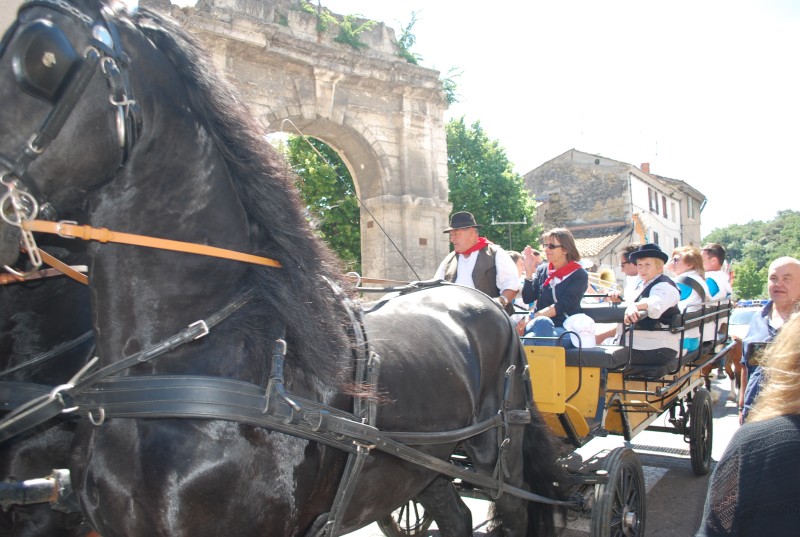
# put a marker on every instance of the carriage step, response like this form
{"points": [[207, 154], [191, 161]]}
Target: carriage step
{"points": [[661, 449]]}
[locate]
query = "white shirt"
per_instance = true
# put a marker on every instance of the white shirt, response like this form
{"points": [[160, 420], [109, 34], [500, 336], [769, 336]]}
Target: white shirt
{"points": [[507, 276], [692, 303], [662, 297], [723, 282], [632, 288]]}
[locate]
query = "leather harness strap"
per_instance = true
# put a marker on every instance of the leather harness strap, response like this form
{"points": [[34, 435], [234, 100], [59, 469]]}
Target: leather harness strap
{"points": [[104, 235], [63, 268]]}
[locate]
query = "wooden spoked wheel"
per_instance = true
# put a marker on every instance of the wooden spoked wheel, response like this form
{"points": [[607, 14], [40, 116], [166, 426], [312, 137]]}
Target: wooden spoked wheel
{"points": [[619, 507], [410, 520]]}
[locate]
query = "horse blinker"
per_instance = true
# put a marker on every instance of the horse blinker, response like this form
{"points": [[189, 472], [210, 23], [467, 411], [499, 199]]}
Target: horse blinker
{"points": [[43, 60]]}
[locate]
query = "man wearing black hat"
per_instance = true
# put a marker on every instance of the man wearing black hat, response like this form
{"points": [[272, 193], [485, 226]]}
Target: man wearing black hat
{"points": [[655, 349], [478, 263]]}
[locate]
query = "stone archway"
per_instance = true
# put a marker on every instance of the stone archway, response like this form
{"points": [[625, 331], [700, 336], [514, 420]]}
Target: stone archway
{"points": [[382, 115]]}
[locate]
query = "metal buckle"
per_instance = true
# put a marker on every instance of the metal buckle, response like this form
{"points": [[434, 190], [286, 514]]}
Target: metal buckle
{"points": [[55, 393], [201, 323], [59, 228]]}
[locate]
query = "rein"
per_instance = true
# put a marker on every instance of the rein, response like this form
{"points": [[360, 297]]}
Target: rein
{"points": [[104, 235]]}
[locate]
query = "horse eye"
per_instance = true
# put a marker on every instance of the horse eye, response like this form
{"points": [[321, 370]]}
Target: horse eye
{"points": [[43, 58]]}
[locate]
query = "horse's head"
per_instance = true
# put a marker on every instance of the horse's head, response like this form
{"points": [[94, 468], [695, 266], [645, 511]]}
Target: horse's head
{"points": [[67, 122]]}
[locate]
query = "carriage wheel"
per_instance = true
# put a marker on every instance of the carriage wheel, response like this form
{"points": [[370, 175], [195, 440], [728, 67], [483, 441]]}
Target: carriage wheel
{"points": [[410, 520], [620, 505], [701, 431]]}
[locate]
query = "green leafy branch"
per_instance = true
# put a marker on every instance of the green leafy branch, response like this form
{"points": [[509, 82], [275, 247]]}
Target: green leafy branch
{"points": [[350, 30], [407, 40], [325, 19]]}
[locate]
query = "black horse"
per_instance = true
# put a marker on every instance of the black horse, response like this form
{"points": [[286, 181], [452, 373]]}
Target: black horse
{"points": [[45, 339], [188, 162]]}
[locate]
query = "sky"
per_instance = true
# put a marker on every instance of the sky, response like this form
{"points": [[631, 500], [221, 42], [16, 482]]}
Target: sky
{"points": [[707, 92]]}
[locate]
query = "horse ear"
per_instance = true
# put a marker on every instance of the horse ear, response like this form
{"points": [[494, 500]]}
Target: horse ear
{"points": [[43, 59]]}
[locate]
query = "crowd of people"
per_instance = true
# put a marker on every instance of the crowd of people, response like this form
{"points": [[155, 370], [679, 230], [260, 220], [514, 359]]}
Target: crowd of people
{"points": [[750, 491]]}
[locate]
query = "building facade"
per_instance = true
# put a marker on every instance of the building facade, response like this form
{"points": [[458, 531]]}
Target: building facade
{"points": [[609, 204]]}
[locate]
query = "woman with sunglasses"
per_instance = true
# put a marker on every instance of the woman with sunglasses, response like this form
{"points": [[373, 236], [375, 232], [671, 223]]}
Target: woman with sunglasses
{"points": [[687, 265], [557, 287]]}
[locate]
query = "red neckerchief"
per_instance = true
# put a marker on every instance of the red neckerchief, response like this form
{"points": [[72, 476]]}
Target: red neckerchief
{"points": [[482, 242], [561, 273]]}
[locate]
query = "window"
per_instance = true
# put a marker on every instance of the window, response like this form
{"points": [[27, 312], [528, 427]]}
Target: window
{"points": [[676, 243], [664, 205], [674, 211], [690, 207], [653, 197], [655, 237]]}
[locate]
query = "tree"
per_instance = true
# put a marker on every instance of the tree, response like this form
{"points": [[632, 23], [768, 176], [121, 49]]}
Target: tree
{"points": [[749, 281], [482, 181], [327, 189], [753, 246]]}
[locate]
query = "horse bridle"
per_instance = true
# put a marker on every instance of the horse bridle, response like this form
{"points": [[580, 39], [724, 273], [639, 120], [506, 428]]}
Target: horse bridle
{"points": [[47, 67]]}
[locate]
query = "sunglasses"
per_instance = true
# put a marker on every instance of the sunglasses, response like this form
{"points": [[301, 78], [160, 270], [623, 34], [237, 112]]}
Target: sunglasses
{"points": [[552, 246]]}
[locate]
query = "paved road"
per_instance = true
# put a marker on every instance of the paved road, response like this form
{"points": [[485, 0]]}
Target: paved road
{"points": [[675, 495]]}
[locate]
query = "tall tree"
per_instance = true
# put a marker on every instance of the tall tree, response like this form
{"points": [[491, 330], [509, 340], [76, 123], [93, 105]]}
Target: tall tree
{"points": [[482, 181], [329, 194], [753, 246], [749, 281]]}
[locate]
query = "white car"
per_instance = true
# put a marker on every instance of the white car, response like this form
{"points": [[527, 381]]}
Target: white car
{"points": [[740, 321]]}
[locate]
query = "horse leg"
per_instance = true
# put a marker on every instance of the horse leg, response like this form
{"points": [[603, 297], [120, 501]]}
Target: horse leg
{"points": [[441, 500], [733, 367], [509, 514]]}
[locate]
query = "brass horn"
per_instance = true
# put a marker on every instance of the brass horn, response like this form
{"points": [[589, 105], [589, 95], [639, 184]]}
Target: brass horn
{"points": [[604, 280]]}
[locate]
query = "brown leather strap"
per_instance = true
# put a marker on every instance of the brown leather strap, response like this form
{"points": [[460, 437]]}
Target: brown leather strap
{"points": [[89, 233], [59, 269], [63, 268]]}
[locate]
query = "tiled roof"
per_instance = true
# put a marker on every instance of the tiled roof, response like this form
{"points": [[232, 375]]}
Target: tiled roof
{"points": [[593, 240]]}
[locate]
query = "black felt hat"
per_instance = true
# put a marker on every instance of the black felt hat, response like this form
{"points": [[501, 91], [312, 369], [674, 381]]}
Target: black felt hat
{"points": [[460, 221], [648, 250]]}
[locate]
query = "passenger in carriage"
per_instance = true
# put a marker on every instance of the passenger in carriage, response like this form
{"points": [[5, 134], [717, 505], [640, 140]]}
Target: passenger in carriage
{"points": [[632, 280], [718, 281], [687, 265], [557, 287], [655, 349]]}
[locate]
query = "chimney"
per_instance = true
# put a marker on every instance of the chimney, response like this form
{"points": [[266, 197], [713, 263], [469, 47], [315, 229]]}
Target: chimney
{"points": [[645, 167]]}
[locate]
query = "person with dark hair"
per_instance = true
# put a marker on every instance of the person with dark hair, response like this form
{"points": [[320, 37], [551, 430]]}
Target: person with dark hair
{"points": [[754, 489], [489, 270], [719, 283], [631, 274], [557, 287], [656, 300], [632, 280]]}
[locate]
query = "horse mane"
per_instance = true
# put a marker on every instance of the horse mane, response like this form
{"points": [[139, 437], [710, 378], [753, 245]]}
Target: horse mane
{"points": [[299, 293]]}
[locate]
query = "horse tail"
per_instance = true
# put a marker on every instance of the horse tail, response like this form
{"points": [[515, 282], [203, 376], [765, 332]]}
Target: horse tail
{"points": [[542, 473]]}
